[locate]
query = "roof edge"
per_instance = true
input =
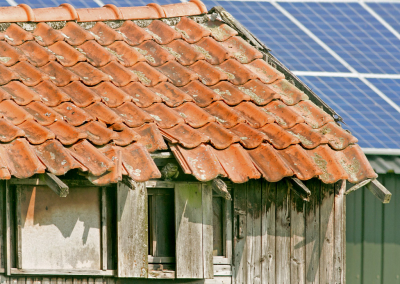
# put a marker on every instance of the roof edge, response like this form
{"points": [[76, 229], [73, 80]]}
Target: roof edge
{"points": [[109, 12]]}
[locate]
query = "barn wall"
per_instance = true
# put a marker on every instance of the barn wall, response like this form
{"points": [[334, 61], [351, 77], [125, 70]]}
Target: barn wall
{"points": [[278, 238], [373, 235]]}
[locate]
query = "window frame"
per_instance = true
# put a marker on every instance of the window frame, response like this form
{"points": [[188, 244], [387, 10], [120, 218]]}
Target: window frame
{"points": [[227, 232], [12, 236]]}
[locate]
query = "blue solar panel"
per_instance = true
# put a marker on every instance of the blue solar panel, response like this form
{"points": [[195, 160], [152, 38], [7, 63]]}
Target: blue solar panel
{"points": [[390, 12], [353, 33], [390, 87], [373, 121], [292, 46]]}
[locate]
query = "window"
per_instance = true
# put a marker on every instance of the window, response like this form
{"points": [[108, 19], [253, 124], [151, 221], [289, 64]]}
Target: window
{"points": [[222, 230], [68, 233], [161, 228]]}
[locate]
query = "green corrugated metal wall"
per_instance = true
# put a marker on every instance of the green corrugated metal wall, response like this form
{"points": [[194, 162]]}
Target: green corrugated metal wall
{"points": [[373, 235]]}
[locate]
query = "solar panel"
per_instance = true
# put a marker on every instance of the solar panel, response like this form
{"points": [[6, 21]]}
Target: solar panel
{"points": [[390, 12], [291, 45], [353, 33], [371, 119]]}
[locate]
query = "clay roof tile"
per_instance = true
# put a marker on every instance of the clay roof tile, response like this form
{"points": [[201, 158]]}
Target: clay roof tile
{"points": [[191, 31], [237, 73], [7, 75], [163, 116], [171, 95], [314, 116], [80, 95], [194, 115], [20, 93], [42, 113], [96, 54], [265, 72], [151, 138], [120, 76], [161, 32], [219, 30], [154, 54], [9, 131], [202, 95], [132, 34], [224, 115], [338, 137], [177, 74], [254, 115], [97, 133], [125, 54], [76, 35], [74, 115], [15, 35], [46, 36], [219, 136], [28, 74], [241, 50], [36, 133], [213, 51], [105, 35], [208, 74], [88, 74], [132, 115], [10, 55], [230, 94], [103, 113], [284, 115], [249, 137], [50, 94], [279, 137], [184, 135], [140, 95], [66, 133], [13, 112], [148, 75], [125, 135], [183, 52], [66, 54], [110, 94], [58, 74]]}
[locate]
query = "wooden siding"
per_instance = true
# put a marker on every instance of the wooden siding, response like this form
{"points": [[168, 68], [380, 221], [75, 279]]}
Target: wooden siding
{"points": [[287, 240], [373, 235]]}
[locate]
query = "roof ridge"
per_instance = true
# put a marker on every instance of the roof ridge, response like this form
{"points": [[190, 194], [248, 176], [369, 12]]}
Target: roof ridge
{"points": [[66, 12]]}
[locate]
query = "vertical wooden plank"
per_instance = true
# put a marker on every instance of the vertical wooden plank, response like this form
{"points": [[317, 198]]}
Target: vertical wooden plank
{"points": [[268, 232], [18, 225], [312, 233], [2, 185], [104, 250], [282, 233], [253, 224], [227, 225], [391, 231], [132, 225], [339, 233], [326, 233], [7, 225], [298, 240], [189, 230], [354, 233], [372, 241], [207, 231], [240, 233]]}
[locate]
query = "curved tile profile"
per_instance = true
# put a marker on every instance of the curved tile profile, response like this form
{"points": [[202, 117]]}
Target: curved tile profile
{"points": [[98, 92]]}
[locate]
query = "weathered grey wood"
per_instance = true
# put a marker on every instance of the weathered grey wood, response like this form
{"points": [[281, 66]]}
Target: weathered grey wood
{"points": [[220, 187], [7, 226], [164, 271], [312, 233], [379, 191], [65, 272], [55, 184], [253, 225], [159, 184], [18, 226], [104, 249], [300, 188], [326, 233], [207, 230], [227, 225], [2, 215], [339, 233], [160, 260], [268, 232], [132, 226], [222, 270], [358, 185], [240, 246], [298, 240], [282, 235], [218, 227], [189, 231]]}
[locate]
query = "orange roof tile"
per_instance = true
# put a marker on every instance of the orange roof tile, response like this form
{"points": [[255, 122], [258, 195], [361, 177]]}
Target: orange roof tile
{"points": [[100, 97]]}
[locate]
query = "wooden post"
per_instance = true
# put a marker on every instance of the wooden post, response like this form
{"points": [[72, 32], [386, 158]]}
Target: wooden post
{"points": [[240, 233], [104, 256], [379, 191], [339, 256], [132, 226], [207, 231], [7, 229]]}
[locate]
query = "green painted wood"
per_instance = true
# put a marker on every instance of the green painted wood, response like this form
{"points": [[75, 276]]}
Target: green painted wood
{"points": [[354, 208], [391, 232], [372, 240]]}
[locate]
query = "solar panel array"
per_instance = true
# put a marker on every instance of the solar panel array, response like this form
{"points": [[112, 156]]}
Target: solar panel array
{"points": [[349, 33]]}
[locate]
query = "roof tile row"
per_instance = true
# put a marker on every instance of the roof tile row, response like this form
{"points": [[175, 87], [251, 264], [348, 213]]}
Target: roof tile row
{"points": [[100, 98]]}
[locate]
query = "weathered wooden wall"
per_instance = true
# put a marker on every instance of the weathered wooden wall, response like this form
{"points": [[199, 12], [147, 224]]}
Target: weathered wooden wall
{"points": [[278, 238], [283, 239]]}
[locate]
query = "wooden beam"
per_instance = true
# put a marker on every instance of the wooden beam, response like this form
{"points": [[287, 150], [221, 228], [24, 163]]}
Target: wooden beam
{"points": [[300, 188], [220, 187], [57, 185], [379, 191], [357, 186]]}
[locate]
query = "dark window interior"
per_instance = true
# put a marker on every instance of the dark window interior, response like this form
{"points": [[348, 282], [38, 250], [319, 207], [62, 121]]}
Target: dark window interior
{"points": [[218, 232], [161, 222]]}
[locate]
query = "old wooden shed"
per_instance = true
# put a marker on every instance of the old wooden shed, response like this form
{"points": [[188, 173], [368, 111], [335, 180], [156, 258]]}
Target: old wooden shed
{"points": [[164, 144]]}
